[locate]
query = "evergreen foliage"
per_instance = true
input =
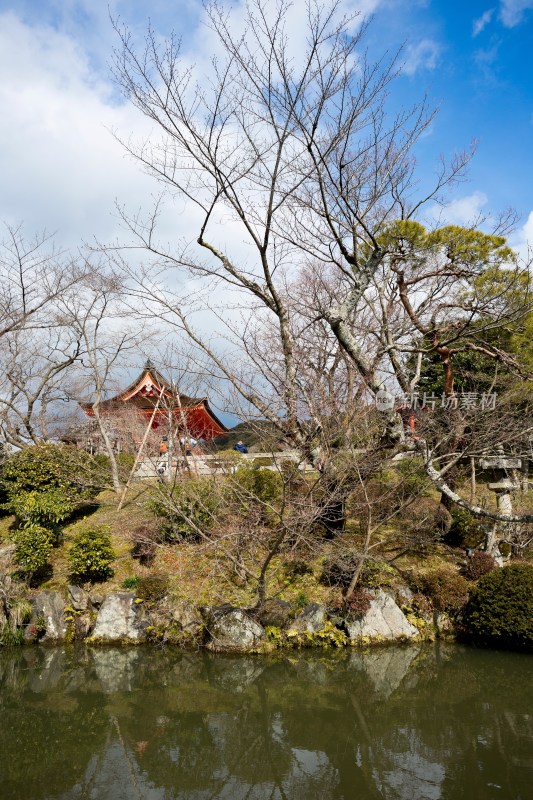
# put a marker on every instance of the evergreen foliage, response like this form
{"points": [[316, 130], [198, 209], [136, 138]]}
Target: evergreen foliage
{"points": [[90, 556], [47, 466], [33, 545], [256, 485], [43, 485], [500, 611], [47, 508], [191, 507], [465, 530]]}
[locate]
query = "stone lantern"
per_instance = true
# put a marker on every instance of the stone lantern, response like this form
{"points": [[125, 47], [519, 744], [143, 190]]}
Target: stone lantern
{"points": [[502, 485]]}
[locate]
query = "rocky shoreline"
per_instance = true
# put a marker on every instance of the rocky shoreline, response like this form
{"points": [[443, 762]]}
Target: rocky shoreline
{"points": [[122, 618]]}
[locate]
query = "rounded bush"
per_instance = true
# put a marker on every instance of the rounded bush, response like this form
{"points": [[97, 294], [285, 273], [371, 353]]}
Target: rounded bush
{"points": [[33, 545], [478, 565], [447, 590], [47, 508], [46, 466], [500, 610], [152, 587], [256, 485], [190, 507], [90, 556], [465, 530]]}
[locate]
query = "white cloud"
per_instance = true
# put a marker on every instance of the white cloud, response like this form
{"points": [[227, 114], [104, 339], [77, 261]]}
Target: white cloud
{"points": [[482, 22], [61, 168], [512, 11], [522, 240], [470, 210], [424, 55], [461, 211]]}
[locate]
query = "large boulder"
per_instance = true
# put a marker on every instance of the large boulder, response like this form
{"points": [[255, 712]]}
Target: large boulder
{"points": [[79, 600], [119, 619], [383, 622], [311, 620], [49, 607], [232, 629], [187, 617]]}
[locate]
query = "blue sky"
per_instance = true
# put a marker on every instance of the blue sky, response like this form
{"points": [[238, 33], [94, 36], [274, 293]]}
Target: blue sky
{"points": [[62, 170]]}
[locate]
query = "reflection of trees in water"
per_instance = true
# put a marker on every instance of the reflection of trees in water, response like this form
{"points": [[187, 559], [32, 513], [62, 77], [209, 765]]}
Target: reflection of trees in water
{"points": [[41, 746], [396, 723]]}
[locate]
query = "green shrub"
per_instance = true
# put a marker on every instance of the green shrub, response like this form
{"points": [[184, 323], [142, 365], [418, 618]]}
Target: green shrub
{"points": [[43, 485], [125, 462], [412, 478], [465, 530], [46, 508], [301, 602], [152, 587], [447, 590], [130, 583], [90, 555], [188, 508], [33, 545], [17, 613], [46, 466], [10, 636], [253, 485], [263, 461], [500, 611]]}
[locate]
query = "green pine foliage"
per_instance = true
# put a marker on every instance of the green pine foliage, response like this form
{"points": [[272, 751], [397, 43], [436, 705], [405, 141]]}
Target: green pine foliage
{"points": [[500, 611]]}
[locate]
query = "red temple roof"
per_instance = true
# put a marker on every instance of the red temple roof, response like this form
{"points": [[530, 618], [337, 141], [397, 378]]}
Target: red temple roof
{"points": [[151, 390]]}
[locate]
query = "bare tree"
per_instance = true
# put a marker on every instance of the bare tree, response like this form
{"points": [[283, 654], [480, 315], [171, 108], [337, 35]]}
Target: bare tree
{"points": [[37, 343], [110, 341], [34, 363], [34, 276], [308, 160]]}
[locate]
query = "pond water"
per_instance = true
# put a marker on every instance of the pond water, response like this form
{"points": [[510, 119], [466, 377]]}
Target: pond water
{"points": [[433, 722]]}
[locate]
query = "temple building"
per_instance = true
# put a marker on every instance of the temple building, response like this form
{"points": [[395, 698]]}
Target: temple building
{"points": [[151, 401]]}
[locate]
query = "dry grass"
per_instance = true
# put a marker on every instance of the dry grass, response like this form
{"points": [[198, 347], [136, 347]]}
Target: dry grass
{"points": [[202, 574]]}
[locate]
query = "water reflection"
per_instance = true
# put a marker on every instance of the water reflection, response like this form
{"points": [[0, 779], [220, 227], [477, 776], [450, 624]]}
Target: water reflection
{"points": [[405, 723]]}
